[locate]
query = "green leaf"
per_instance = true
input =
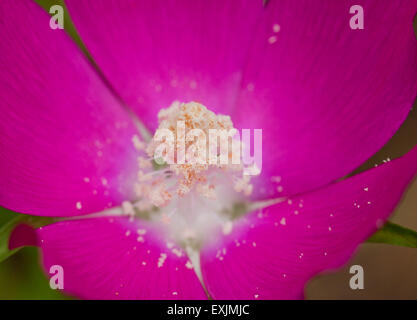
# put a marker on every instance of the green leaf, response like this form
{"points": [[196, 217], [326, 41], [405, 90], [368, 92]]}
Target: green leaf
{"points": [[12, 220], [68, 24], [5, 231], [395, 234]]}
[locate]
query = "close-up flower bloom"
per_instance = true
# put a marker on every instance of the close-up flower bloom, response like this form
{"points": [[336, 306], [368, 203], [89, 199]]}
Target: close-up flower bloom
{"points": [[77, 134]]}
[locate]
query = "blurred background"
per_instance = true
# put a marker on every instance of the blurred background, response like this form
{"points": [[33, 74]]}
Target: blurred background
{"points": [[390, 272]]}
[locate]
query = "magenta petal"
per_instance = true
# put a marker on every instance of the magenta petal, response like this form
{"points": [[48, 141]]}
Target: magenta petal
{"points": [[272, 253], [326, 97], [65, 146], [22, 235], [156, 52], [112, 258]]}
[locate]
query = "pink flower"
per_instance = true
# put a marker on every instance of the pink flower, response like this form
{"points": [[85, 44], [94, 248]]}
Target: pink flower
{"points": [[327, 97]]}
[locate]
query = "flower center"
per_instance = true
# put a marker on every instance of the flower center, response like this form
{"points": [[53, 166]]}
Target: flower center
{"points": [[191, 175]]}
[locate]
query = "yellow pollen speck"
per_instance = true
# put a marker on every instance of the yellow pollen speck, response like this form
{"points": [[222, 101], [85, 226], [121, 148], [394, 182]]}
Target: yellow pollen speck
{"points": [[276, 27], [272, 39], [227, 227], [162, 259], [78, 205], [177, 252], [127, 208], [141, 232]]}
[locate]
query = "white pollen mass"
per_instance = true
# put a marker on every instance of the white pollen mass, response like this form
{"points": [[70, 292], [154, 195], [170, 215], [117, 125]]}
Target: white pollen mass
{"points": [[192, 194]]}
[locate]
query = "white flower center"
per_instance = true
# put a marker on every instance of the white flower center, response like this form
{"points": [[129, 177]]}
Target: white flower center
{"points": [[187, 180]]}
